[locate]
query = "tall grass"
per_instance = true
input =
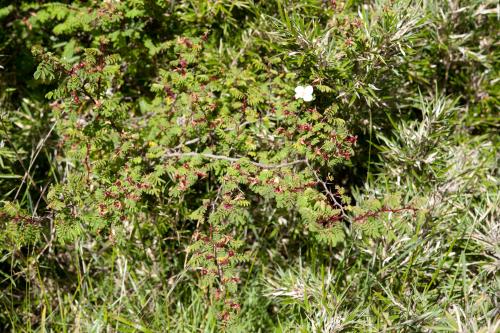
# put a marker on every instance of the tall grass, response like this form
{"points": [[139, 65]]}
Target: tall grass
{"points": [[429, 134]]}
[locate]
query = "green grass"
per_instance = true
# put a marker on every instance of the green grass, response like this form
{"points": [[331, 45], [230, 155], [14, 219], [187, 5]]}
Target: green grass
{"points": [[439, 275]]}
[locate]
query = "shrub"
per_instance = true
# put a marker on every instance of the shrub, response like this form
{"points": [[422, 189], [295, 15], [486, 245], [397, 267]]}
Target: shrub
{"points": [[169, 131]]}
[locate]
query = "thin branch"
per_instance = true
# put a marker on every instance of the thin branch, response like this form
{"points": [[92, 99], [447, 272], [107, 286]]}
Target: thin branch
{"points": [[220, 272], [328, 192], [383, 210], [189, 142], [86, 93], [195, 140], [233, 159], [240, 53]]}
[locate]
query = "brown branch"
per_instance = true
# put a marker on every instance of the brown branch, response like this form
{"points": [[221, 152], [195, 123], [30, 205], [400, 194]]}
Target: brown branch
{"points": [[86, 93], [220, 273], [328, 192], [25, 219], [87, 162], [381, 211]]}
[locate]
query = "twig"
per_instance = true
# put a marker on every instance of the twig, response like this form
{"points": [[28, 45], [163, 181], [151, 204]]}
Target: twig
{"points": [[86, 93], [195, 140], [50, 241], [190, 142], [383, 210], [233, 159], [87, 162], [328, 192], [220, 273], [240, 53]]}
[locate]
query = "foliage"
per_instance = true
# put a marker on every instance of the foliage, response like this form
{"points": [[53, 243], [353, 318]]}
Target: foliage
{"points": [[156, 168], [436, 275]]}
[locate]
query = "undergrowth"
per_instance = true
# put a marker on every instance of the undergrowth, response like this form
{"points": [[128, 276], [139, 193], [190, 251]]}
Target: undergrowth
{"points": [[249, 166]]}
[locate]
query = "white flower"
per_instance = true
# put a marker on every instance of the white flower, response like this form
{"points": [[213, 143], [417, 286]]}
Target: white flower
{"points": [[181, 121], [304, 92]]}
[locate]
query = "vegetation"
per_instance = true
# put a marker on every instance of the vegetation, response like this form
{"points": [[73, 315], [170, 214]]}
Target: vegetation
{"points": [[249, 166]]}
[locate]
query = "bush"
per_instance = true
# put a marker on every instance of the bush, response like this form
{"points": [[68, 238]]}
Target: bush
{"points": [[170, 152]]}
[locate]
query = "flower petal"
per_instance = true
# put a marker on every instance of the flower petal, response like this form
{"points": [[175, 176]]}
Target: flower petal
{"points": [[308, 90], [308, 98], [299, 92], [299, 89]]}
